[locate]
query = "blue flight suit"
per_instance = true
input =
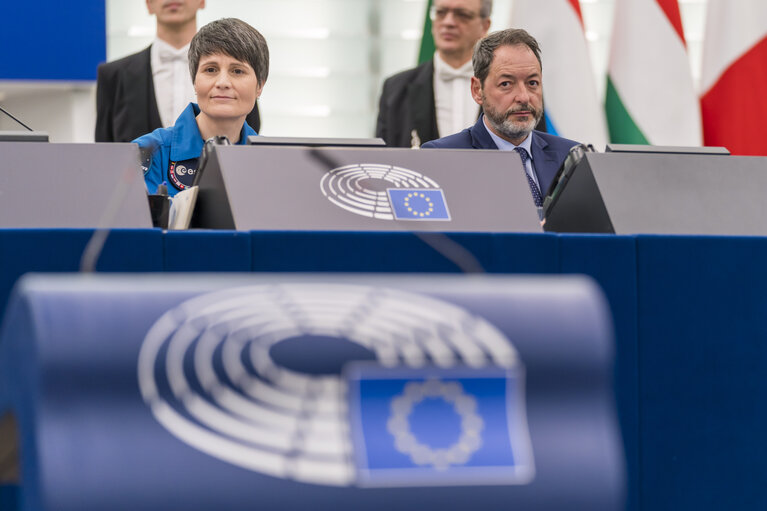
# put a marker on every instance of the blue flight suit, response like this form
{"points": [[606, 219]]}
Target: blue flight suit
{"points": [[172, 154]]}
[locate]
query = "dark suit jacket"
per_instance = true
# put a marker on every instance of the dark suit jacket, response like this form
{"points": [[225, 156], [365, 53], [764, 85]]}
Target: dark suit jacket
{"points": [[125, 104], [549, 151], [407, 104]]}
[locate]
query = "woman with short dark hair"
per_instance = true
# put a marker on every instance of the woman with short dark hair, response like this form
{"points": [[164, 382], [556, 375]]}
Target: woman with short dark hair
{"points": [[229, 64]]}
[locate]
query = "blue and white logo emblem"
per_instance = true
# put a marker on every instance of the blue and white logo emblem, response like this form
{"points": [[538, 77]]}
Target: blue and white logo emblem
{"points": [[385, 192], [439, 401], [439, 426]]}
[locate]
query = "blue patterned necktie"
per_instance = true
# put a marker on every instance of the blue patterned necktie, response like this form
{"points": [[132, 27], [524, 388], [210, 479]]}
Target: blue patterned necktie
{"points": [[533, 187]]}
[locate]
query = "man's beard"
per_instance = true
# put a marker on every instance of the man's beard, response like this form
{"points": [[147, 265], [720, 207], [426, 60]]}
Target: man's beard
{"points": [[501, 122]]}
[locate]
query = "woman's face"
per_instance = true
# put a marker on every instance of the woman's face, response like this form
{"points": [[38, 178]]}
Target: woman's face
{"points": [[226, 88]]}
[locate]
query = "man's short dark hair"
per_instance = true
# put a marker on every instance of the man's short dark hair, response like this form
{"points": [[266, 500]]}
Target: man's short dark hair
{"points": [[485, 8], [485, 49], [232, 37]]}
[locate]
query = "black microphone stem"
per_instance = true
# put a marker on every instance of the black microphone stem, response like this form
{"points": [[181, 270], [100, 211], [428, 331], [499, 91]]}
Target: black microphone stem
{"points": [[6, 112]]}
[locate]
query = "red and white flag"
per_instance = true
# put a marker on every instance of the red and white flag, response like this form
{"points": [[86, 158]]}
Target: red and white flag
{"points": [[734, 76], [571, 104], [650, 97]]}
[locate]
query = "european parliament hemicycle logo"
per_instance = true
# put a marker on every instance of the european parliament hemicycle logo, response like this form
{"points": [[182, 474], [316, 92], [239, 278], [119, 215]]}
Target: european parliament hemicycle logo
{"points": [[385, 192], [438, 401]]}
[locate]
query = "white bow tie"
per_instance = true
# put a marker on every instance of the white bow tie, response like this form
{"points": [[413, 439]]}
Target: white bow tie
{"points": [[447, 73], [167, 56]]}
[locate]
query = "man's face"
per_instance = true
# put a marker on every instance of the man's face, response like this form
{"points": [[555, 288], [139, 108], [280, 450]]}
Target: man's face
{"points": [[457, 26], [512, 95], [174, 12]]}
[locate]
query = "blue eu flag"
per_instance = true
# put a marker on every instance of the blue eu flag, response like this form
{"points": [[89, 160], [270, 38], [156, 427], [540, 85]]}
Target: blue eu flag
{"points": [[436, 426], [418, 204]]}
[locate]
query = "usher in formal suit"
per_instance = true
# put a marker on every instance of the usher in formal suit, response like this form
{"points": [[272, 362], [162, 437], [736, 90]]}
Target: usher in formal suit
{"points": [[548, 151], [406, 113], [125, 102]]}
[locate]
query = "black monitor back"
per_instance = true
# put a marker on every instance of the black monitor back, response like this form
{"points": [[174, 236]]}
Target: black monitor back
{"points": [[663, 193]]}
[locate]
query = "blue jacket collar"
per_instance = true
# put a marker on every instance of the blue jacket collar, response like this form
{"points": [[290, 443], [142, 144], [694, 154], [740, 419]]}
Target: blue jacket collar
{"points": [[187, 141], [480, 138]]}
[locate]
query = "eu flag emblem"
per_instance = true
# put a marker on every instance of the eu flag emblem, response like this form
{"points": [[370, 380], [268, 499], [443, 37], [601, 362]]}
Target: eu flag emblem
{"points": [[418, 204], [434, 427]]}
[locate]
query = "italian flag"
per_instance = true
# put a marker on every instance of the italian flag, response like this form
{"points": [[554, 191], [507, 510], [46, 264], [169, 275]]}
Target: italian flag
{"points": [[427, 48], [650, 96], [734, 76], [571, 103]]}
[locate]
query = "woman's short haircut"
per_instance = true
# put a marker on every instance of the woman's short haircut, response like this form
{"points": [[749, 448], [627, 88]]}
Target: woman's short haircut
{"points": [[233, 37]]}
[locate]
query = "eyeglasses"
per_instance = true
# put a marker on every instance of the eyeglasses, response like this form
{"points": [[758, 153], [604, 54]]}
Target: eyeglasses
{"points": [[440, 13]]}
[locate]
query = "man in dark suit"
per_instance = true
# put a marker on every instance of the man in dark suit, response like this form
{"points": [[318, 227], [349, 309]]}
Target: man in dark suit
{"points": [[149, 89], [507, 84], [419, 104]]}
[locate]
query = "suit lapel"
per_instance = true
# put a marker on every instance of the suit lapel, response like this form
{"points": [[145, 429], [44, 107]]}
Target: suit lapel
{"points": [[480, 138], [141, 91], [420, 97], [544, 162]]}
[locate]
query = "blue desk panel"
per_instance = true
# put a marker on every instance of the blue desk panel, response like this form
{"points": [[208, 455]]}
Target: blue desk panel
{"points": [[689, 316], [611, 261], [402, 252], [207, 251], [702, 372], [60, 250]]}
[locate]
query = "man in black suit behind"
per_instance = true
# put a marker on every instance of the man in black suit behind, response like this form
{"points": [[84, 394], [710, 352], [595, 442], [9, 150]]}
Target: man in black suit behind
{"points": [[128, 104], [411, 110]]}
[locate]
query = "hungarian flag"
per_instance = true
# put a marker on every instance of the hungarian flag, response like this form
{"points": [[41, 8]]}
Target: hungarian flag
{"points": [[734, 76], [571, 103], [650, 96]]}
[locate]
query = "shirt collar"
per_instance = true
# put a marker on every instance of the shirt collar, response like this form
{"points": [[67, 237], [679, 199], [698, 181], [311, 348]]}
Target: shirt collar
{"points": [[440, 65], [187, 140], [161, 45], [160, 48], [505, 145]]}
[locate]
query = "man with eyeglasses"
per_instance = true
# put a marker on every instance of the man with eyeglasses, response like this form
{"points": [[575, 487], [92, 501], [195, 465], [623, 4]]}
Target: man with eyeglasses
{"points": [[508, 85], [434, 99]]}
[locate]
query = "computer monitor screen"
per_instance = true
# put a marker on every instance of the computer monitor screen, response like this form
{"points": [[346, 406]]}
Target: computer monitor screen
{"points": [[316, 141], [23, 136]]}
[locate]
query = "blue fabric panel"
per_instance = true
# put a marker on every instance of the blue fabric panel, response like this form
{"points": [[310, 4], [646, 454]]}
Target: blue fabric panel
{"points": [[702, 355], [524, 253], [60, 250], [611, 261], [207, 251], [362, 251], [52, 40], [9, 495]]}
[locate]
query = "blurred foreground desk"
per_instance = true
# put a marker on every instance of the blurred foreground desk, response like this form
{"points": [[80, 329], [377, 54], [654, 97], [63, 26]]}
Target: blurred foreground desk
{"points": [[321, 391], [688, 312]]}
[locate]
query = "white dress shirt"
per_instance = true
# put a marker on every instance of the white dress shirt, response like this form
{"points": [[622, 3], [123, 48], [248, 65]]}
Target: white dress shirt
{"points": [[505, 145], [456, 109], [173, 87]]}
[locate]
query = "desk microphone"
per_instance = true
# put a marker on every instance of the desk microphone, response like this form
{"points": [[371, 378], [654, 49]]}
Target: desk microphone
{"points": [[205, 155], [15, 119]]}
